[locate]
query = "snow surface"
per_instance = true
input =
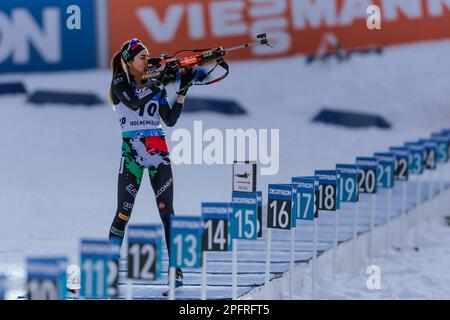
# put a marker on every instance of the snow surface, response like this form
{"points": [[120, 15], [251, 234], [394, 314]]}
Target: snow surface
{"points": [[403, 275], [59, 164]]}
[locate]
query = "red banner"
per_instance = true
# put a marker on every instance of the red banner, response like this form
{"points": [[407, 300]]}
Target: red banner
{"points": [[292, 26]]}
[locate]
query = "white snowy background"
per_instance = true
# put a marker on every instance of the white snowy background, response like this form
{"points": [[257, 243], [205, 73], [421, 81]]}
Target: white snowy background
{"points": [[59, 164]]}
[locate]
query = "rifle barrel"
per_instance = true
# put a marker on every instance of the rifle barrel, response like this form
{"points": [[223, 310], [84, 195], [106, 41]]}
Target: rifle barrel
{"points": [[247, 45]]}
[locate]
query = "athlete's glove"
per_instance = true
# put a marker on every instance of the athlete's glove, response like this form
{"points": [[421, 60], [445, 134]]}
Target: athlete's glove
{"points": [[186, 82]]}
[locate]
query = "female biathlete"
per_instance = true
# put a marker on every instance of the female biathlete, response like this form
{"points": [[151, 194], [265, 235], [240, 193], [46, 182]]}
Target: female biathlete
{"points": [[140, 105]]}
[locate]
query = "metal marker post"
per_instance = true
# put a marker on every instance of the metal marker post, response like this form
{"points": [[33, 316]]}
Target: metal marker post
{"points": [[439, 175], [388, 220], [372, 226], [416, 216], [314, 261], [268, 252], [437, 184], [336, 224], [203, 290], [171, 283], [291, 277], [403, 213], [442, 190], [430, 199], [355, 235], [129, 294], [234, 270], [446, 177]]}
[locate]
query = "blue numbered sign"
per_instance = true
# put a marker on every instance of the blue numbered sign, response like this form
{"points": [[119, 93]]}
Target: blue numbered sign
{"points": [[186, 241], [216, 216], [279, 207], [327, 193], [349, 182], [304, 198], [95, 257], [430, 153], [144, 252], [46, 278], [316, 197], [2, 286], [446, 133], [416, 157], [338, 189], [259, 200], [367, 179], [244, 220], [442, 147], [401, 165], [385, 172]]}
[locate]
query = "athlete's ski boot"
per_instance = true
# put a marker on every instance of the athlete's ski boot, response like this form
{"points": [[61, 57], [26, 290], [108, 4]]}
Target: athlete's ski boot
{"points": [[178, 281]]}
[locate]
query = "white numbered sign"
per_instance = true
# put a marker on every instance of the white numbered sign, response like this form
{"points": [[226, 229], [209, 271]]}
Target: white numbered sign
{"points": [[401, 164], [144, 252], [367, 170], [279, 210], [430, 153], [216, 216], [327, 193]]}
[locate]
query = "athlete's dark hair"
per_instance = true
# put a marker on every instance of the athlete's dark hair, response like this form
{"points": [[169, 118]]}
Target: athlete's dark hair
{"points": [[116, 67]]}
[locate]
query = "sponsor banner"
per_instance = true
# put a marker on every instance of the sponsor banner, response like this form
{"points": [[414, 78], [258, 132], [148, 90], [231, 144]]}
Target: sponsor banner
{"points": [[97, 248], [145, 233], [216, 210], [46, 267], [326, 176], [40, 35], [293, 26], [188, 223], [280, 191], [367, 163]]}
